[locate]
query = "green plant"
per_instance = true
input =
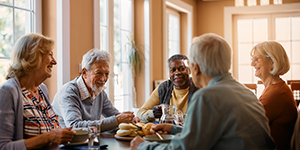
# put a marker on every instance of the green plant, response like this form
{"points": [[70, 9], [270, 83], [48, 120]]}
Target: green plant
{"points": [[135, 56]]}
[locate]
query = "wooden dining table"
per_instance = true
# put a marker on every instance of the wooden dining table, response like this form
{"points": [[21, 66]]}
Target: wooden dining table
{"points": [[106, 138]]}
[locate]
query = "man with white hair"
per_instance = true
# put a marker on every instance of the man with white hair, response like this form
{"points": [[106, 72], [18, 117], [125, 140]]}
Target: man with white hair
{"points": [[223, 114], [83, 100]]}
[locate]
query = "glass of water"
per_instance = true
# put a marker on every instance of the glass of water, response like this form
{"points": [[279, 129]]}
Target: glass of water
{"points": [[93, 132], [98, 133]]}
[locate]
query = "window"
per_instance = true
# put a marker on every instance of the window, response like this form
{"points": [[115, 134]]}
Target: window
{"points": [[173, 32], [259, 28], [18, 17], [177, 30], [113, 31]]}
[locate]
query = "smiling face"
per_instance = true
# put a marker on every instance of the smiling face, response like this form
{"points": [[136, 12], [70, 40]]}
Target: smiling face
{"points": [[263, 65], [97, 76], [179, 73], [45, 69]]}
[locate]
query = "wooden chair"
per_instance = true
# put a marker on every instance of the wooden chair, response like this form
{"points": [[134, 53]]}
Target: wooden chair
{"points": [[259, 82], [252, 87], [292, 81], [295, 86]]}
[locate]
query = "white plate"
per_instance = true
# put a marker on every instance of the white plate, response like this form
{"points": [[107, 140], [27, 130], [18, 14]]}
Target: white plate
{"points": [[166, 138], [125, 138]]}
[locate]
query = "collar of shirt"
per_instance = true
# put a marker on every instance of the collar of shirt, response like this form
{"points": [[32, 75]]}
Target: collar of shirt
{"points": [[84, 92]]}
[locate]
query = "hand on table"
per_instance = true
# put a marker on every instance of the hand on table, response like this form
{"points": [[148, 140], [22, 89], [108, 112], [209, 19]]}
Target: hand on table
{"points": [[136, 119], [125, 117], [136, 142], [164, 128], [60, 136], [157, 111]]}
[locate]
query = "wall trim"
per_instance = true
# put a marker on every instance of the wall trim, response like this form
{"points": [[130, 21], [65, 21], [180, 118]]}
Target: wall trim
{"points": [[63, 42]]}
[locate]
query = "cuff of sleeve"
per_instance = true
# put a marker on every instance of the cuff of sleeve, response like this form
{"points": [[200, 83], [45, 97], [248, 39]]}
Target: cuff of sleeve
{"points": [[146, 145], [150, 114], [175, 129], [108, 123]]}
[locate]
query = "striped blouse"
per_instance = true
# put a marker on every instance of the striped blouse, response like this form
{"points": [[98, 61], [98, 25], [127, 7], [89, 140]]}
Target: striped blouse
{"points": [[39, 117]]}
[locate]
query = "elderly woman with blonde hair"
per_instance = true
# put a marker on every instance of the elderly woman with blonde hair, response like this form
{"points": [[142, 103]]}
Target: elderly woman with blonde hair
{"points": [[270, 60], [27, 120]]}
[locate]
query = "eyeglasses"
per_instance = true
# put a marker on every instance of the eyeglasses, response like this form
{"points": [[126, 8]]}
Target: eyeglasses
{"points": [[256, 59]]}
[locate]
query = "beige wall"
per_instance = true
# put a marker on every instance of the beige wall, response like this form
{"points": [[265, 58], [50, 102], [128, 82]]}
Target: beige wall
{"points": [[81, 32], [210, 16], [49, 30]]}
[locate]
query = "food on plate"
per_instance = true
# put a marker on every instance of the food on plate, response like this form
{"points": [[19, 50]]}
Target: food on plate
{"points": [[140, 133], [127, 126], [140, 124], [133, 133], [146, 128], [123, 132], [130, 130]]}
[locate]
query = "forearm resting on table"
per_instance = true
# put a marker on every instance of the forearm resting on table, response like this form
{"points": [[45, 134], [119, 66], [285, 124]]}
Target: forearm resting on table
{"points": [[38, 141], [145, 115]]}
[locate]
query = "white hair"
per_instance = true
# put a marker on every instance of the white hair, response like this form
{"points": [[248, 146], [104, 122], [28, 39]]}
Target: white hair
{"points": [[212, 54], [94, 55]]}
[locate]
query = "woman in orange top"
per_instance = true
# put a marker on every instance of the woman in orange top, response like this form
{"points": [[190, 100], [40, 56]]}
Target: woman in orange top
{"points": [[270, 60]]}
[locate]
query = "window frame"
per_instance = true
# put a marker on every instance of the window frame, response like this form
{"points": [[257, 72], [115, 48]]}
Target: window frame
{"points": [[110, 20], [230, 12], [36, 22]]}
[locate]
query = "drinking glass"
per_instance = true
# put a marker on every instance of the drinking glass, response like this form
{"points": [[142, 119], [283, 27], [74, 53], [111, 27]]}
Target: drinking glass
{"points": [[92, 134], [98, 133], [179, 118]]}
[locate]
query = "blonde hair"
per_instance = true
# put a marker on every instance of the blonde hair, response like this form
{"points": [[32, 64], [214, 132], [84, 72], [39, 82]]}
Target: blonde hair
{"points": [[276, 52], [27, 54], [212, 54]]}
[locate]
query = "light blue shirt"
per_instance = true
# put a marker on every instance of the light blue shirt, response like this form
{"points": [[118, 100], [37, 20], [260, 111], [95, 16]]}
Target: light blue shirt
{"points": [[222, 116]]}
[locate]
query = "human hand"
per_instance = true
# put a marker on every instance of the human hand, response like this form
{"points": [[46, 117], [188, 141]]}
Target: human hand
{"points": [[157, 111], [59, 136], [164, 128], [136, 119], [125, 117], [136, 142]]}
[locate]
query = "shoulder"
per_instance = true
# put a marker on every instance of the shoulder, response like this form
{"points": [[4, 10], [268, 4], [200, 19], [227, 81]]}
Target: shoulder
{"points": [[68, 91], [70, 87], [165, 85], [12, 85]]}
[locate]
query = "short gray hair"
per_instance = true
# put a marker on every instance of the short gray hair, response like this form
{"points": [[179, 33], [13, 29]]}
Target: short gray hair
{"points": [[212, 54], [94, 55]]}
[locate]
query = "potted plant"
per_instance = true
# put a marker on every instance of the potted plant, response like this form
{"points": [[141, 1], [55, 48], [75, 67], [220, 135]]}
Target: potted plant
{"points": [[135, 56]]}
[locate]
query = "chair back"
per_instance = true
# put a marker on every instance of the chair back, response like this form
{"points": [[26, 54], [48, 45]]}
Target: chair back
{"points": [[295, 86], [252, 87]]}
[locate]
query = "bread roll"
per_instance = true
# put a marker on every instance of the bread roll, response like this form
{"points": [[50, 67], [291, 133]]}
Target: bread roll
{"points": [[126, 126], [146, 128], [140, 133], [123, 132], [133, 133], [140, 124]]}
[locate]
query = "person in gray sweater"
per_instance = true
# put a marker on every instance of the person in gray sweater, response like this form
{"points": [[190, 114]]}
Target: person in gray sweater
{"points": [[83, 100], [27, 120]]}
